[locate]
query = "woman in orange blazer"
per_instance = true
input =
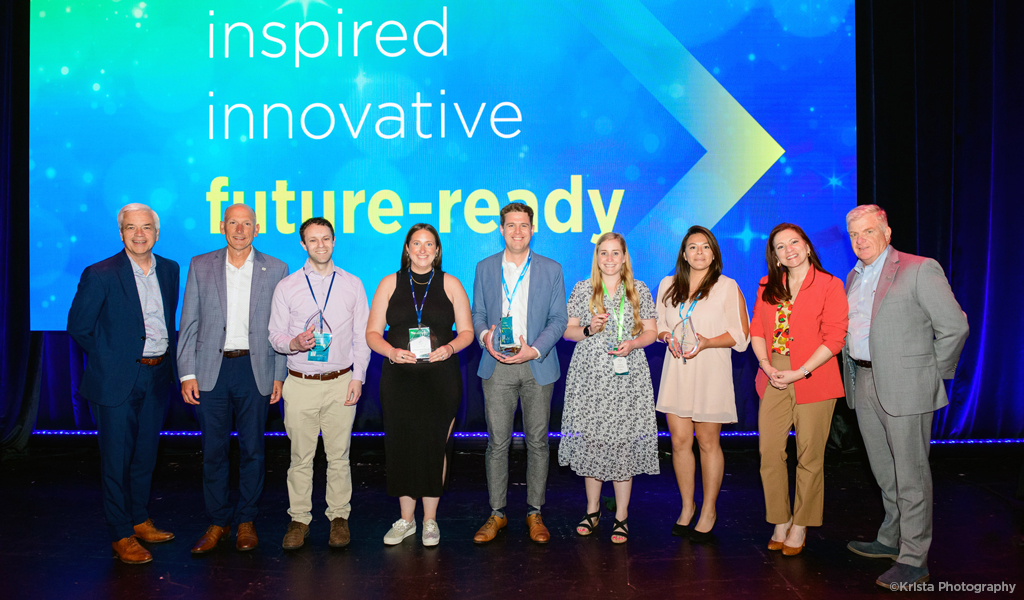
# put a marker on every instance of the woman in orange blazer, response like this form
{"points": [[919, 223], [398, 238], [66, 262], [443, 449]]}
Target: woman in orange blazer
{"points": [[799, 325]]}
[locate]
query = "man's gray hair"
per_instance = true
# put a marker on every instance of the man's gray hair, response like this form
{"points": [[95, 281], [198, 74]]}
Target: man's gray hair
{"points": [[867, 209], [127, 208]]}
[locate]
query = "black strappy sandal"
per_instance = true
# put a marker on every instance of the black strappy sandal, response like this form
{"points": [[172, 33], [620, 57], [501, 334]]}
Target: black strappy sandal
{"points": [[589, 523], [619, 528]]}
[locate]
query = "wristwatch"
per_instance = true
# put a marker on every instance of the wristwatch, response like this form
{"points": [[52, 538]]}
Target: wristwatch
{"points": [[807, 374], [586, 331]]}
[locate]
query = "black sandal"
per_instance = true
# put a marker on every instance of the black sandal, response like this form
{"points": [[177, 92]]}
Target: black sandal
{"points": [[619, 528], [589, 523]]}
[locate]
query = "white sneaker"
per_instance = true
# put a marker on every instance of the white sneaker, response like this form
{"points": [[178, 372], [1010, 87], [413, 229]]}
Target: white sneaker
{"points": [[399, 531], [431, 534]]}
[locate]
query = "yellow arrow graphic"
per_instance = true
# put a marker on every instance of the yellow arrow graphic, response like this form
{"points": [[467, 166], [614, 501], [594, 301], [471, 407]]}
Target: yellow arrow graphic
{"points": [[739, 150]]}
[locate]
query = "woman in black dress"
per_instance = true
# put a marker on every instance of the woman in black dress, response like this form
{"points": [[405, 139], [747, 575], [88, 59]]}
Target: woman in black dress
{"points": [[419, 396]]}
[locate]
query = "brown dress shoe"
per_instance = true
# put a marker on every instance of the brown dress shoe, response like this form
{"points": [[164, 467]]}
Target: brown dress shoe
{"points": [[490, 529], [246, 538], [147, 532], [210, 539], [538, 532], [296, 536], [131, 552], [340, 535]]}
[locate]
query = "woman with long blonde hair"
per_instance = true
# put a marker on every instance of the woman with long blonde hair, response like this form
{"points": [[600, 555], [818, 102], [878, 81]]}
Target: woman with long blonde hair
{"points": [[609, 431]]}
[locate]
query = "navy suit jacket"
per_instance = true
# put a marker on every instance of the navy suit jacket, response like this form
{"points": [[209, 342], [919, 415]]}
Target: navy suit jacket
{"points": [[546, 313], [106, 321]]}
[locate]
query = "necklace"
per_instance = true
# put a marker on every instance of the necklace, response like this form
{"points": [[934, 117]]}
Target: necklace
{"points": [[429, 275]]}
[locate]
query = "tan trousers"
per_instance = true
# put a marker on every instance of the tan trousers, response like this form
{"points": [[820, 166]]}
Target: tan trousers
{"points": [[779, 413], [312, 407]]}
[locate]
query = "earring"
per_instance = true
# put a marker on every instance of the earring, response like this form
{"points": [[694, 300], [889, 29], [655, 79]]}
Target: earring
{"points": [[778, 263]]}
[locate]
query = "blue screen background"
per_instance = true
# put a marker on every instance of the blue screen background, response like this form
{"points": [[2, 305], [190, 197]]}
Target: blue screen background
{"points": [[629, 97]]}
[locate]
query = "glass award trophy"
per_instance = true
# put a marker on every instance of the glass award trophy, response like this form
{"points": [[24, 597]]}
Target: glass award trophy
{"points": [[322, 335], [684, 335], [507, 343], [421, 343]]}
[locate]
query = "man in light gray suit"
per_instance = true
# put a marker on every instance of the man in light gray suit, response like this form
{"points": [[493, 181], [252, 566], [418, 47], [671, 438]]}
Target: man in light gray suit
{"points": [[905, 336], [523, 293], [227, 365]]}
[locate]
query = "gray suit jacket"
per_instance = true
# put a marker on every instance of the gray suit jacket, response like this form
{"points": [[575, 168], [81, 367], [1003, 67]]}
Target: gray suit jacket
{"points": [[917, 333], [204, 320]]}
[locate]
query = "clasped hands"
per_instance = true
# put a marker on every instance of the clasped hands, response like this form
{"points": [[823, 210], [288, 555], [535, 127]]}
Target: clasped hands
{"points": [[526, 352], [780, 380]]}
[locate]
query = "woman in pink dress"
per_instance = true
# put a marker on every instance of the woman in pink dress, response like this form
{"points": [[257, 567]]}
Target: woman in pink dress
{"points": [[696, 392]]}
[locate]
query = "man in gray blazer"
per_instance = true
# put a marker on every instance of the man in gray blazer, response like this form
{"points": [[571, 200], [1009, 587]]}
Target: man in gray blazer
{"points": [[226, 365], [522, 293], [905, 336]]}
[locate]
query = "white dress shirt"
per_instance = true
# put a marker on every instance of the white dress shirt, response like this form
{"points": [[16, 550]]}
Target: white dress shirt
{"points": [[520, 302], [239, 284]]}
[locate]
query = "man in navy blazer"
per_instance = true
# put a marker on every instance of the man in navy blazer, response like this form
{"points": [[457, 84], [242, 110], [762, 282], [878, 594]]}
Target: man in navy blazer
{"points": [[227, 366], [523, 293], [123, 318]]}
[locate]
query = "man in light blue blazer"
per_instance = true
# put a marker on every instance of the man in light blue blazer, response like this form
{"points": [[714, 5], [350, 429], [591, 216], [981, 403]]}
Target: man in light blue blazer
{"points": [[226, 365], [905, 336], [518, 299]]}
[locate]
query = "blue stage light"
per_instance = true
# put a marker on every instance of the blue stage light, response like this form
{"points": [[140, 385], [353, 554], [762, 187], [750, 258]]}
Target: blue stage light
{"points": [[483, 435]]}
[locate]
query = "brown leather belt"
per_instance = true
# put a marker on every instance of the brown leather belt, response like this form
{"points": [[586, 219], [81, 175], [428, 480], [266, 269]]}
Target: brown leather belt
{"points": [[235, 353], [320, 376], [864, 364], [154, 361]]}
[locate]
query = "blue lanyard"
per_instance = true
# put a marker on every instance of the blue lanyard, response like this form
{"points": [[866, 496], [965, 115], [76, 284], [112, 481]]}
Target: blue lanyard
{"points": [[690, 310], [504, 285], [419, 307], [326, 300]]}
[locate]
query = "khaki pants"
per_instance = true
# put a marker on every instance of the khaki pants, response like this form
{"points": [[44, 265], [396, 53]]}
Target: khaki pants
{"points": [[312, 407], [779, 413]]}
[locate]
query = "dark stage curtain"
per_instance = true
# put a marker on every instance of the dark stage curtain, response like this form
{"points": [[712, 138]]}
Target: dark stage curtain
{"points": [[19, 377], [940, 91]]}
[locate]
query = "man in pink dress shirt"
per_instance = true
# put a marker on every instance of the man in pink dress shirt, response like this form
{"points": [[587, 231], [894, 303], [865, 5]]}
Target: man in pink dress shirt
{"points": [[318, 319]]}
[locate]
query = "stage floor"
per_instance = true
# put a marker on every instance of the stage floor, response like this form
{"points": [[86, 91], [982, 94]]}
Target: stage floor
{"points": [[53, 541]]}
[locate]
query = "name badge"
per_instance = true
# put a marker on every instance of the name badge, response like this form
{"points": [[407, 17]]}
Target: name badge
{"points": [[321, 347], [419, 343], [620, 365]]}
